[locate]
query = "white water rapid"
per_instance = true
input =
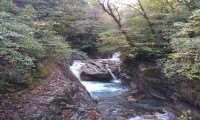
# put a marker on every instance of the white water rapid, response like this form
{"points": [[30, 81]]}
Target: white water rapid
{"points": [[98, 89], [109, 70], [166, 116], [111, 101]]}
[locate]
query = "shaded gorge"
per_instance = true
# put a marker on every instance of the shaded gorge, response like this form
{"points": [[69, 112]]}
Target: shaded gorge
{"points": [[115, 97]]}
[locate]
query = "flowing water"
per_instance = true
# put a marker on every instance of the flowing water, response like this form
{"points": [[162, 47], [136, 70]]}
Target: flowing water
{"points": [[99, 89], [112, 103], [109, 70]]}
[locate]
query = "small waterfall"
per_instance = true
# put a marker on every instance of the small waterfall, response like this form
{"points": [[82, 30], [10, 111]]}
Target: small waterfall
{"points": [[111, 101], [75, 68], [109, 70], [115, 56], [99, 89]]}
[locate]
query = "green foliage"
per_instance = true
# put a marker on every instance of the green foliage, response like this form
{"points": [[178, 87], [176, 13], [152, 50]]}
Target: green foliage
{"points": [[86, 34], [165, 29], [28, 14], [186, 115], [184, 62], [110, 41], [33, 47], [19, 60], [149, 45], [7, 5], [27, 37], [34, 79], [39, 29], [18, 49]]}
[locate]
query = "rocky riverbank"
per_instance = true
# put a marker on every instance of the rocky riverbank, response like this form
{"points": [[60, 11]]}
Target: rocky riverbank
{"points": [[62, 96], [59, 96], [116, 101], [145, 77]]}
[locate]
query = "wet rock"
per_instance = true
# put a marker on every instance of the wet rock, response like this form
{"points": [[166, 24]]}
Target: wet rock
{"points": [[94, 71], [75, 56], [131, 99], [112, 65], [133, 96], [147, 78], [156, 116], [133, 92], [99, 70], [94, 115], [121, 118], [142, 96], [60, 97]]}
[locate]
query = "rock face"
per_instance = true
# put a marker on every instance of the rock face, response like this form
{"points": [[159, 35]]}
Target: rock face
{"points": [[99, 70], [60, 96], [146, 77]]}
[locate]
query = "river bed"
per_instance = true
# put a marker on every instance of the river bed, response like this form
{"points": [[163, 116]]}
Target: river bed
{"points": [[112, 103]]}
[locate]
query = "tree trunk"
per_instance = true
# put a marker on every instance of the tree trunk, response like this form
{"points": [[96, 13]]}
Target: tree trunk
{"points": [[117, 20], [172, 8], [147, 18]]}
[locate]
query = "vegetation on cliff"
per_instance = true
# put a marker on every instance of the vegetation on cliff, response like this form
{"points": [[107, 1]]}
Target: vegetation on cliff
{"points": [[32, 31], [27, 37], [166, 31]]}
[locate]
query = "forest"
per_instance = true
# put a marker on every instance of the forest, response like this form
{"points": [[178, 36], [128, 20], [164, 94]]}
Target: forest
{"points": [[34, 34]]}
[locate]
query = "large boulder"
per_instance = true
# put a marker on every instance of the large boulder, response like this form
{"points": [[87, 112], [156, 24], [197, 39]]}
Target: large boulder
{"points": [[112, 65], [99, 70]]}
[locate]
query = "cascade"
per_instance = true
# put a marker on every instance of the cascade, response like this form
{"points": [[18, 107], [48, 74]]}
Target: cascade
{"points": [[111, 101], [109, 70], [115, 56], [98, 89]]}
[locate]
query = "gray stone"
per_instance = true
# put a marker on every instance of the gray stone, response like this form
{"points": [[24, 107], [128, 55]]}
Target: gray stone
{"points": [[99, 70]]}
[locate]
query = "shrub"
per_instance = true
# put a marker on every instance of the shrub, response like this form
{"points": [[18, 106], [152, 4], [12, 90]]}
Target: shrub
{"points": [[184, 62]]}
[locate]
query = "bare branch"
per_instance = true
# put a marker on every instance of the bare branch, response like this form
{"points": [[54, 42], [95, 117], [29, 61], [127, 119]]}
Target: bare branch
{"points": [[103, 6], [113, 11], [171, 6], [107, 8], [118, 14], [133, 7], [143, 13]]}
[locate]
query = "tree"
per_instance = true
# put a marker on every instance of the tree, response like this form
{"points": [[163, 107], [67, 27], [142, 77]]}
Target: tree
{"points": [[27, 38], [184, 62], [191, 4], [114, 12], [171, 6], [144, 14]]}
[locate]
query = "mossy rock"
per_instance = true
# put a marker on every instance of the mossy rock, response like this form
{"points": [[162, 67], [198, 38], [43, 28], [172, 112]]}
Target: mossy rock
{"points": [[43, 73], [18, 98], [11, 89], [34, 79], [14, 87], [57, 100], [152, 72], [31, 81]]}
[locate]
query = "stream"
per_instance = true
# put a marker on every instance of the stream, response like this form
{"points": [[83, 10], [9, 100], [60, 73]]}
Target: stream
{"points": [[112, 103]]}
